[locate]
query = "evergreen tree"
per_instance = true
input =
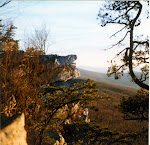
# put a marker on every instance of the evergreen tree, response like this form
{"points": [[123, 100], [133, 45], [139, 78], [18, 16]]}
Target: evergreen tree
{"points": [[7, 33]]}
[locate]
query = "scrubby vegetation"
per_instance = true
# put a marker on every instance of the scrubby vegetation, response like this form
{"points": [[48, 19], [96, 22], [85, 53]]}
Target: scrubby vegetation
{"points": [[135, 107], [107, 113], [25, 89]]}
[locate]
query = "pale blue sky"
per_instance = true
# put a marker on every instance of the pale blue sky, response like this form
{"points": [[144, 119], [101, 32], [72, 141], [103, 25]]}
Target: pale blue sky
{"points": [[73, 28]]}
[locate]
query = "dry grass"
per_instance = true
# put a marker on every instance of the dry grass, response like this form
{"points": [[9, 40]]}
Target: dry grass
{"points": [[108, 115]]}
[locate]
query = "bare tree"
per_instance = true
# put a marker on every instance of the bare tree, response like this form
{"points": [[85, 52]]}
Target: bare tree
{"points": [[38, 40]]}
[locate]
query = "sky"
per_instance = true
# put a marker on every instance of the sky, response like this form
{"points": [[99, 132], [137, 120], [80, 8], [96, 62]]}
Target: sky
{"points": [[73, 27]]}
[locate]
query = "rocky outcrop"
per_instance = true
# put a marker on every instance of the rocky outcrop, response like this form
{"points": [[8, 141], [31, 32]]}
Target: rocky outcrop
{"points": [[59, 71], [53, 61], [62, 68], [53, 67], [64, 73], [74, 112], [12, 131]]}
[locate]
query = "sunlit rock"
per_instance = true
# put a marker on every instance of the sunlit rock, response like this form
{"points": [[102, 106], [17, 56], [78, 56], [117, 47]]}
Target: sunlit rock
{"points": [[52, 68], [64, 73], [13, 131]]}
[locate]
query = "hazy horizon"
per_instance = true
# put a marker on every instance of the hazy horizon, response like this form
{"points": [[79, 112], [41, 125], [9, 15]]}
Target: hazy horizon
{"points": [[74, 29]]}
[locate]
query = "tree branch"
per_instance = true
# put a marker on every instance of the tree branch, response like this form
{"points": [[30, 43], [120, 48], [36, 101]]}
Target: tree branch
{"points": [[118, 31], [142, 42], [5, 3], [47, 120], [120, 40], [121, 66]]}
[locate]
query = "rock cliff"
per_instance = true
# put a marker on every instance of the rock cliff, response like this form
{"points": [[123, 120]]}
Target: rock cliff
{"points": [[60, 68], [62, 72]]}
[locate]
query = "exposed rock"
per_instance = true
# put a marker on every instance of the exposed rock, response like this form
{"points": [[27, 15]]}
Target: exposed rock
{"points": [[64, 73], [85, 114], [61, 140], [13, 132], [62, 68], [55, 138], [59, 68], [74, 112], [68, 83], [53, 61]]}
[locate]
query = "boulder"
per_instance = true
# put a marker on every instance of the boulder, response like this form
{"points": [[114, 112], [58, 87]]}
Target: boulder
{"points": [[13, 131]]}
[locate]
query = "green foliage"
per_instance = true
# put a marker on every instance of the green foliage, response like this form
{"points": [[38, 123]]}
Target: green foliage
{"points": [[7, 33], [135, 107], [82, 91], [57, 97], [113, 70], [91, 133]]}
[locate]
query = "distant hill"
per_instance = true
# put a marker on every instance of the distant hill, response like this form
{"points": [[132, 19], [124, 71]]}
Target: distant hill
{"points": [[125, 80]]}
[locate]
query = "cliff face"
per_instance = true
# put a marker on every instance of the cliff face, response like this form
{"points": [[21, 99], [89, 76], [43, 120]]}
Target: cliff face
{"points": [[13, 132], [62, 68], [57, 70]]}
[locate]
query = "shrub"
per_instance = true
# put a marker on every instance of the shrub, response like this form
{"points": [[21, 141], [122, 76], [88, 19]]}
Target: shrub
{"points": [[135, 107]]}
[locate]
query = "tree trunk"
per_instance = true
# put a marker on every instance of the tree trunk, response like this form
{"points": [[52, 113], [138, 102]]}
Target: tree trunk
{"points": [[135, 79]]}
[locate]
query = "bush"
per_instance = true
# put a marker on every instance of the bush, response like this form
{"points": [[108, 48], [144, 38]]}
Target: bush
{"points": [[135, 107]]}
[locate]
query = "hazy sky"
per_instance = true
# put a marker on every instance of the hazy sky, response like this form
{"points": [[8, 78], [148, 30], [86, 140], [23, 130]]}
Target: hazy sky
{"points": [[73, 28]]}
